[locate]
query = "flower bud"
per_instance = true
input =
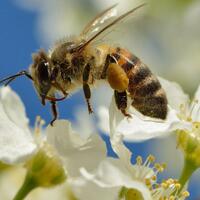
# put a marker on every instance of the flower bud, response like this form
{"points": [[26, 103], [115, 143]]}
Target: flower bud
{"points": [[46, 168]]}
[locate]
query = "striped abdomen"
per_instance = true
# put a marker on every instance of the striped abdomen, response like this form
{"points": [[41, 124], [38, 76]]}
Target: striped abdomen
{"points": [[144, 88]]}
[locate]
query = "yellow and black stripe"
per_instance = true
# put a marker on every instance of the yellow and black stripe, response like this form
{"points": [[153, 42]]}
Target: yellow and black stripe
{"points": [[144, 88]]}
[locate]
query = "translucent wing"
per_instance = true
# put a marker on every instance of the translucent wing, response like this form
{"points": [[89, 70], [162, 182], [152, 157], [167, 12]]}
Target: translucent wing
{"points": [[102, 18], [105, 21]]}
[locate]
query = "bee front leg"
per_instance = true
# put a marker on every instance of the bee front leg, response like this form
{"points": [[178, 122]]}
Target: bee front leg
{"points": [[54, 112], [121, 102], [86, 87]]}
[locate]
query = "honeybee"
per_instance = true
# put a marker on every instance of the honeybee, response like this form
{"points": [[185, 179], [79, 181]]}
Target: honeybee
{"points": [[77, 62]]}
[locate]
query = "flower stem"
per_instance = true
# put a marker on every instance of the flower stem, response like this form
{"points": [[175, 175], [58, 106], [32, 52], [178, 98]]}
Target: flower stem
{"points": [[187, 172], [28, 185]]}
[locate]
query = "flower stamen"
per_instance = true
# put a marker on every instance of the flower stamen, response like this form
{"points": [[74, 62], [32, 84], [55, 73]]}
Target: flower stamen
{"points": [[39, 123], [146, 172], [139, 160]]}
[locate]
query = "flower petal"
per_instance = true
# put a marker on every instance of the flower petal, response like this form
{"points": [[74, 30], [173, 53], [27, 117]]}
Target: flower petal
{"points": [[103, 119], [84, 190], [13, 107], [195, 106], [84, 123], [175, 94], [139, 127], [16, 142], [125, 158], [122, 151], [77, 152], [111, 174]]}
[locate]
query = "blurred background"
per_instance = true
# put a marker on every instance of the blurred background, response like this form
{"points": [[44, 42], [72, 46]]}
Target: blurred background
{"points": [[164, 34]]}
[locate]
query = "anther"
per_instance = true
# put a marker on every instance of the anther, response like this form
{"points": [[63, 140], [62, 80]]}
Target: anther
{"points": [[185, 194], [139, 160], [148, 182], [154, 178], [151, 158]]}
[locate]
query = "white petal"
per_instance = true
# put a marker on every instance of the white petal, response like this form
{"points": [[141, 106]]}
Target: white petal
{"points": [[122, 151], [175, 94], [63, 137], [138, 127], [99, 99], [111, 174], [103, 119], [85, 190], [84, 123], [77, 152], [125, 158], [13, 107], [16, 142], [195, 106]]}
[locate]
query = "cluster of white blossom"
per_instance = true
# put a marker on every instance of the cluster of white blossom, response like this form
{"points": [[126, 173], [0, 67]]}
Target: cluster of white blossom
{"points": [[59, 155]]}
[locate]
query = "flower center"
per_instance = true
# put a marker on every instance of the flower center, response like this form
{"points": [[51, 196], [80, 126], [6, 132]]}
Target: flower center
{"points": [[147, 172], [186, 112], [133, 194]]}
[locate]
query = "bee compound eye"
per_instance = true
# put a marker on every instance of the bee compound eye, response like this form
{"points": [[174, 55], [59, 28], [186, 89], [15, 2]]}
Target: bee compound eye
{"points": [[43, 74]]}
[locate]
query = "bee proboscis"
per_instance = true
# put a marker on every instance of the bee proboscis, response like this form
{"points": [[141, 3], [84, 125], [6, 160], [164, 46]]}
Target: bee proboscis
{"points": [[77, 62]]}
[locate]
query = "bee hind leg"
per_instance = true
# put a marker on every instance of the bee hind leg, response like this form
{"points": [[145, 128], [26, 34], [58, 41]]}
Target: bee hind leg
{"points": [[121, 102], [86, 87], [54, 112], [87, 93]]}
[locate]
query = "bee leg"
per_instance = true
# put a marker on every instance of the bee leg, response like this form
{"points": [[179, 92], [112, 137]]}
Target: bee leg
{"points": [[121, 102], [86, 87], [87, 94], [109, 60], [116, 76], [54, 112]]}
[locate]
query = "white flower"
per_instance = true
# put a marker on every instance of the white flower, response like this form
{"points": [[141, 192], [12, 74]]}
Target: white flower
{"points": [[75, 151], [188, 110], [189, 140], [18, 144], [140, 127], [57, 150], [119, 179]]}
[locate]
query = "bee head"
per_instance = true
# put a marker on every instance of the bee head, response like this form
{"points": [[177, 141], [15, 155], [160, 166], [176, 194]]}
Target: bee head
{"points": [[41, 71], [43, 74]]}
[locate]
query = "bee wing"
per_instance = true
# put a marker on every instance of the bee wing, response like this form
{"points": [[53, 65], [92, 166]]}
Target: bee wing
{"points": [[105, 21], [102, 18]]}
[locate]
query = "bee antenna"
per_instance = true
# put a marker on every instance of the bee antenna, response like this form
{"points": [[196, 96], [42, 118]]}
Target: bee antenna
{"points": [[9, 79]]}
